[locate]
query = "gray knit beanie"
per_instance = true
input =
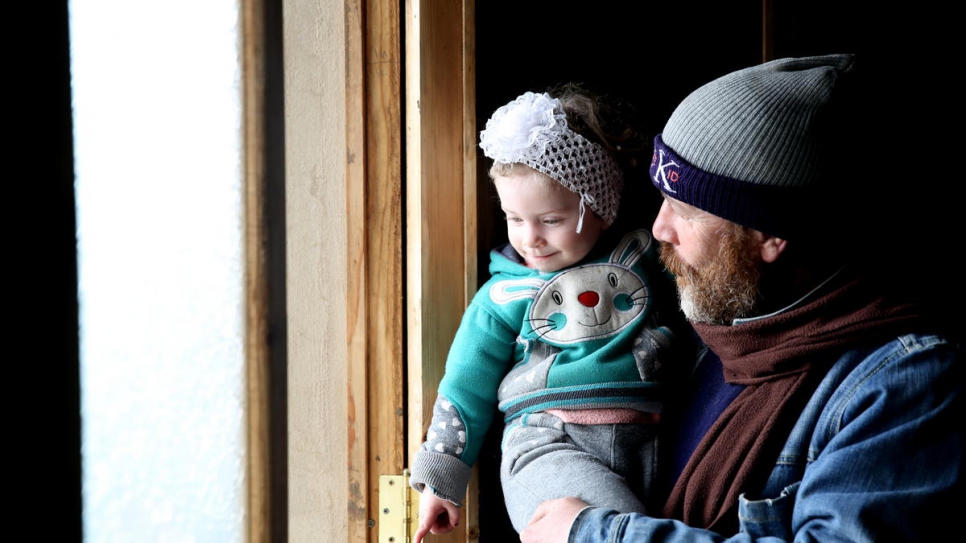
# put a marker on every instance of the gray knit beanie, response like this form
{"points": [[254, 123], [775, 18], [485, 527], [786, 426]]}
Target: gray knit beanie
{"points": [[752, 146]]}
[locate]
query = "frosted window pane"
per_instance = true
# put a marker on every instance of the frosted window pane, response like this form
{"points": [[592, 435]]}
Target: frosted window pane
{"points": [[157, 120]]}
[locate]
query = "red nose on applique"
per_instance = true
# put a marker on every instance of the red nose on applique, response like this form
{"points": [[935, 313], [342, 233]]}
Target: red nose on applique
{"points": [[588, 298]]}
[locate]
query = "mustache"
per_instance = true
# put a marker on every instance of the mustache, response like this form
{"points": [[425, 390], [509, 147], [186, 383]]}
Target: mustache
{"points": [[672, 261]]}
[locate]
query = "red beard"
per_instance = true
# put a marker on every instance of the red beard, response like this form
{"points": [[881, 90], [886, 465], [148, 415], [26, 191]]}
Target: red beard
{"points": [[725, 286]]}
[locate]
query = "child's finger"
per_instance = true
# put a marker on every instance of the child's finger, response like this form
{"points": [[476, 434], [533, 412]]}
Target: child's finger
{"points": [[423, 529]]}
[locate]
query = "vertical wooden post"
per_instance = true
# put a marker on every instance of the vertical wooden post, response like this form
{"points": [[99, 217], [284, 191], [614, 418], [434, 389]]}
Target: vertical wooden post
{"points": [[375, 326], [440, 201], [257, 374]]}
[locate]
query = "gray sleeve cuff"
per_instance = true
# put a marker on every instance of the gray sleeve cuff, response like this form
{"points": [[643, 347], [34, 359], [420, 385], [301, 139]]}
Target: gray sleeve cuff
{"points": [[446, 475]]}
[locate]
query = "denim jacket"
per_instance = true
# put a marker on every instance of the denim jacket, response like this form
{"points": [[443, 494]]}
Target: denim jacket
{"points": [[876, 455]]}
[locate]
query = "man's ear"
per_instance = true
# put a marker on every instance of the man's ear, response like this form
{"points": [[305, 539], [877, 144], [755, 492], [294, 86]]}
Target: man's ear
{"points": [[771, 247]]}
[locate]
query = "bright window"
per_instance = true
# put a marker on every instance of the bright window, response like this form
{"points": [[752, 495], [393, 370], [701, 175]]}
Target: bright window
{"points": [[157, 131]]}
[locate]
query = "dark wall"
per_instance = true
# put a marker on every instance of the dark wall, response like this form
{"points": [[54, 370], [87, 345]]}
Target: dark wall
{"points": [[644, 56], [904, 182], [652, 54], [43, 388]]}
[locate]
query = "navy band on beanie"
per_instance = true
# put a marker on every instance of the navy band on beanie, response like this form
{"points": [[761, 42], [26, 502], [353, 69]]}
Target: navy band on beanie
{"points": [[748, 204], [752, 146]]}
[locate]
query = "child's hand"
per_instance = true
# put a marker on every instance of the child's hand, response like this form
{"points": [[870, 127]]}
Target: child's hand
{"points": [[436, 515]]}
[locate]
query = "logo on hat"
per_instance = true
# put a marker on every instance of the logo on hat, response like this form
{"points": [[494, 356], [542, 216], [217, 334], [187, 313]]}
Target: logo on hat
{"points": [[663, 173]]}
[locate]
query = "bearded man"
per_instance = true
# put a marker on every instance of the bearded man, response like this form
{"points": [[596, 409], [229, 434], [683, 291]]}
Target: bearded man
{"points": [[825, 405]]}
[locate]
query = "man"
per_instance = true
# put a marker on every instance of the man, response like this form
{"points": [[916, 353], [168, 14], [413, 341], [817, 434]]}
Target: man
{"points": [[827, 405]]}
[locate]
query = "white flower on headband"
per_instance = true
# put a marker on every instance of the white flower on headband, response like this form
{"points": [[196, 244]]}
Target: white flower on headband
{"points": [[532, 130], [521, 130]]}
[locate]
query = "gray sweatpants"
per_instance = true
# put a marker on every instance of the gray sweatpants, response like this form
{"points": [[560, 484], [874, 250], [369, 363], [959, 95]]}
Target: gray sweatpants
{"points": [[606, 465]]}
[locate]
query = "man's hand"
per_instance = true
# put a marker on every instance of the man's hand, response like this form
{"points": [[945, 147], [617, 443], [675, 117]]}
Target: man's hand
{"points": [[552, 520], [436, 515]]}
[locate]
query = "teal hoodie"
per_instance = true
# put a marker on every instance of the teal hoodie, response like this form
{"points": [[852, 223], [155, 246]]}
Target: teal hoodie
{"points": [[532, 341]]}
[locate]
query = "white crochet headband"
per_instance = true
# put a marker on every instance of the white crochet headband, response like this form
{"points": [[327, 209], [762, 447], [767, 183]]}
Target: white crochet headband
{"points": [[532, 130]]}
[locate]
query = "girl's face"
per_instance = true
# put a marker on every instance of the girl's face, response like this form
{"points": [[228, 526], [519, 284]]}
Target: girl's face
{"points": [[541, 221]]}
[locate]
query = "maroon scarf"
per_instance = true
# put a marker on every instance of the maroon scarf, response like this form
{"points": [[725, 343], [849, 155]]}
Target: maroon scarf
{"points": [[780, 360]]}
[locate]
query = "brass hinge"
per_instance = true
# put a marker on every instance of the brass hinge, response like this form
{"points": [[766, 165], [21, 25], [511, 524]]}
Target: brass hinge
{"points": [[398, 509]]}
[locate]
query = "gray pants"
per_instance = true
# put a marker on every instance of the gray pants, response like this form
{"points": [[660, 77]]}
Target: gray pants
{"points": [[607, 465]]}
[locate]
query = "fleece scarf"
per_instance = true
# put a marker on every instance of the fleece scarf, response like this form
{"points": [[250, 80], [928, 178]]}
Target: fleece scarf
{"points": [[780, 359]]}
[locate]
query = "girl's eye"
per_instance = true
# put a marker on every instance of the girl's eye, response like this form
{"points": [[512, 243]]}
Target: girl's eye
{"points": [[551, 222]]}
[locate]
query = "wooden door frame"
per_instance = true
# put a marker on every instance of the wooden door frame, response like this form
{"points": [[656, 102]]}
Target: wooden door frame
{"points": [[411, 230], [411, 191], [440, 205]]}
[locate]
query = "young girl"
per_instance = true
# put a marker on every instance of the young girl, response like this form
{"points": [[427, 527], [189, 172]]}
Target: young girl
{"points": [[568, 336]]}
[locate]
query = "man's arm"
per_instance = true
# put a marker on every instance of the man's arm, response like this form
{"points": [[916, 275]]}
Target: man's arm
{"points": [[889, 456], [552, 520]]}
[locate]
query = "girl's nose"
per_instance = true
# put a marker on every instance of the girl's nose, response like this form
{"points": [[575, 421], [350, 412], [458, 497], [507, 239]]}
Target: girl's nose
{"points": [[532, 237]]}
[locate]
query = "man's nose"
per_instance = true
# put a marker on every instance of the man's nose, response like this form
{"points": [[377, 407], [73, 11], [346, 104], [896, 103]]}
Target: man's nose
{"points": [[663, 228]]}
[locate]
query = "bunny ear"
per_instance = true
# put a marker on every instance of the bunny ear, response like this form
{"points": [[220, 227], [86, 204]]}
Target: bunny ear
{"points": [[630, 249], [503, 292]]}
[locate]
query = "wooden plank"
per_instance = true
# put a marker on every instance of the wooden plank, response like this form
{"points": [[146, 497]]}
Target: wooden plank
{"points": [[357, 262], [317, 309], [470, 140], [375, 287], [384, 246], [257, 378], [471, 510], [436, 201]]}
